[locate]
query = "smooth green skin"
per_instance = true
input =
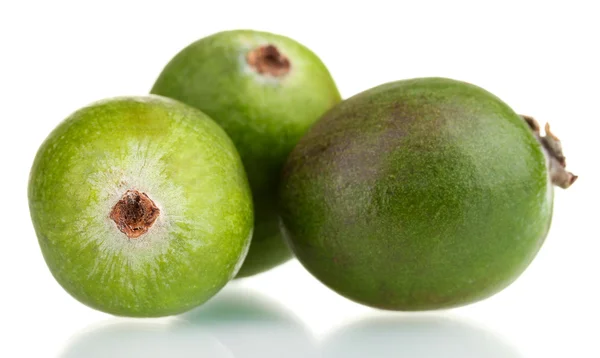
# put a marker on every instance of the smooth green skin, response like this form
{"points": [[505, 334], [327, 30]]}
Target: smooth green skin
{"points": [[184, 162], [416, 195], [265, 116]]}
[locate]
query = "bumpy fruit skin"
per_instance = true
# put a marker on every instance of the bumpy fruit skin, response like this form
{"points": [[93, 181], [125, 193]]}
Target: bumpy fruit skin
{"points": [[265, 115], [416, 195], [184, 162]]}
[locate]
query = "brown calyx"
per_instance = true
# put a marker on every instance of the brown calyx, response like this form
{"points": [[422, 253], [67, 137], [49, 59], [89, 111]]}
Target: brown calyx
{"points": [[134, 214], [553, 150], [268, 60]]}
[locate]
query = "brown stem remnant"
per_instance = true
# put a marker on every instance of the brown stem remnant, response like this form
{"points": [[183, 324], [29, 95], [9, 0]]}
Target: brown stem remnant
{"points": [[268, 60], [553, 150], [134, 214]]}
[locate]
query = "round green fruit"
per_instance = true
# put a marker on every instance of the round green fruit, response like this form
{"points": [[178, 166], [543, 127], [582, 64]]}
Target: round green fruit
{"points": [[141, 206], [420, 194], [265, 90]]}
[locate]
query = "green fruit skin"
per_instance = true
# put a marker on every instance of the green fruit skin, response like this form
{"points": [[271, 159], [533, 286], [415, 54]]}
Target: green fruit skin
{"points": [[264, 115], [184, 162], [417, 195]]}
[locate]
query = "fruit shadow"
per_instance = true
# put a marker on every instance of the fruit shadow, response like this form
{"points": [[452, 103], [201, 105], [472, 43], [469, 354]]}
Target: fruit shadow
{"points": [[236, 323], [251, 325], [415, 336]]}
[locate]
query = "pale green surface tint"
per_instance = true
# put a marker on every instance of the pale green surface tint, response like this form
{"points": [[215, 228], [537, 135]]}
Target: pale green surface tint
{"points": [[265, 116], [418, 194], [184, 162]]}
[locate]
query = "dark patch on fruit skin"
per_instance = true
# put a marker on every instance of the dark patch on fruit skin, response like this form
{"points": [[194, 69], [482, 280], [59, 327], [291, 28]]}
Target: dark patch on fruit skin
{"points": [[429, 193], [134, 214], [268, 60]]}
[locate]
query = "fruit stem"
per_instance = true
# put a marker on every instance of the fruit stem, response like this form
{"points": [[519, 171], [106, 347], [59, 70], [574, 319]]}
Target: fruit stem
{"points": [[268, 60], [134, 214], [553, 150]]}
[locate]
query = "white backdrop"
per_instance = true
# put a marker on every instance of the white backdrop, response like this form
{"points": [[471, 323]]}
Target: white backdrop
{"points": [[539, 57]]}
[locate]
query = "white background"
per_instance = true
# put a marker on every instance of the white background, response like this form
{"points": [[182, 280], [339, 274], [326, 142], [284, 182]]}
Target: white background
{"points": [[540, 57]]}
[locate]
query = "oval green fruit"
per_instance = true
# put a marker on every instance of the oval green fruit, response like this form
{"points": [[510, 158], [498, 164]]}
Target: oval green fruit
{"points": [[265, 90], [141, 206], [418, 194]]}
